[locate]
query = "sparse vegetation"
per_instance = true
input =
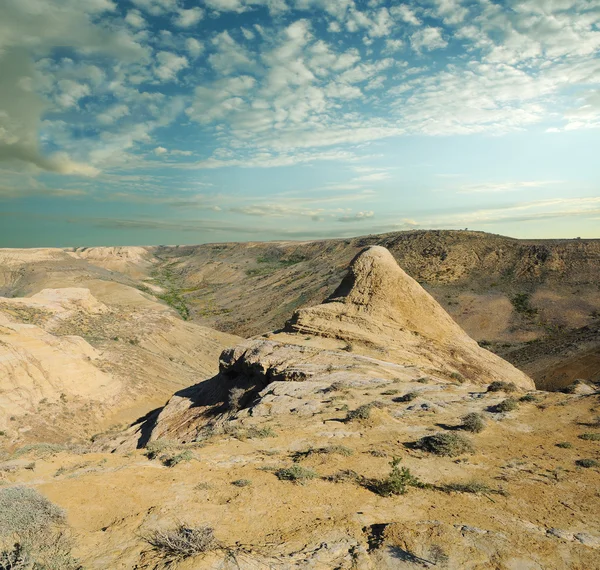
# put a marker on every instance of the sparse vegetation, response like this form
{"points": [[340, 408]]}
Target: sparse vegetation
{"points": [[587, 463], [242, 482], [36, 530], [528, 398], [499, 386], [590, 436], [183, 542], [328, 450], [157, 447], [173, 460], [445, 444], [521, 304], [295, 473], [473, 422], [361, 413], [42, 450], [457, 377], [473, 486], [508, 405], [408, 397], [234, 399], [344, 476], [396, 483], [564, 445]]}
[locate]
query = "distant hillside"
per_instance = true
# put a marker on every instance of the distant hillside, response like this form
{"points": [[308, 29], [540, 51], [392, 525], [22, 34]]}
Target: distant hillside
{"points": [[534, 302]]}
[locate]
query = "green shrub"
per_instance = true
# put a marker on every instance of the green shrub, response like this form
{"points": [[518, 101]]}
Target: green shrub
{"points": [[242, 482], [473, 422], [445, 444], [564, 445], [587, 463], [183, 542], [295, 473], [507, 405], [173, 460], [590, 436], [498, 386], [528, 398], [521, 304], [157, 447], [396, 483]]}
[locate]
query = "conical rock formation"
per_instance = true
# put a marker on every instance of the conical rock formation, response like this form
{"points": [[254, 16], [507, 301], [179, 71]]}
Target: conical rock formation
{"points": [[387, 313]]}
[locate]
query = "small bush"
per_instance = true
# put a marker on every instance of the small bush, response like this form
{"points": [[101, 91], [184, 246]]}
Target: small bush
{"points": [[329, 450], [157, 447], [498, 386], [564, 445], [445, 444], [390, 392], [295, 473], [361, 413], [234, 399], [458, 377], [507, 405], [242, 482], [590, 436], [378, 453], [528, 398], [423, 380], [344, 476], [409, 397], [587, 463], [396, 483], [260, 433], [173, 460], [183, 542], [473, 422], [38, 529]]}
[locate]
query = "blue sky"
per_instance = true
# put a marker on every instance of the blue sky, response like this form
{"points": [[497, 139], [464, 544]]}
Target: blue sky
{"points": [[180, 121]]}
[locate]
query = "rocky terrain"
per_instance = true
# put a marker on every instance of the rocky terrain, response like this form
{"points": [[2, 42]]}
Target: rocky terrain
{"points": [[365, 430]]}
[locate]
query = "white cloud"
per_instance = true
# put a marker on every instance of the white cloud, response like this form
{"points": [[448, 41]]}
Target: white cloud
{"points": [[493, 187], [405, 13], [451, 11], [359, 216], [229, 56], [156, 7], [188, 18], [169, 65], [135, 19], [71, 92], [427, 39], [194, 47], [113, 114], [160, 150]]}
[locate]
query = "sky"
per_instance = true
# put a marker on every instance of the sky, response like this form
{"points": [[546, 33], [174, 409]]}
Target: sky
{"points": [[142, 122]]}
